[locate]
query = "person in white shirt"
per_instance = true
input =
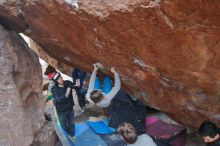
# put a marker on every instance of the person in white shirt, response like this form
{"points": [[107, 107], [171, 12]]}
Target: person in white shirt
{"points": [[98, 97], [129, 134]]}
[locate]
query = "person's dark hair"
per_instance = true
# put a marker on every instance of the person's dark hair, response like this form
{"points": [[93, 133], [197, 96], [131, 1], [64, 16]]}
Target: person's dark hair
{"points": [[128, 132], [96, 96], [208, 128], [49, 69]]}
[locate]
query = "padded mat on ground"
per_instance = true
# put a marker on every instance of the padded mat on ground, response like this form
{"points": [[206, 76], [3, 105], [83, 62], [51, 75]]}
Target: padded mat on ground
{"points": [[163, 132], [124, 112], [86, 136], [101, 127], [113, 139]]}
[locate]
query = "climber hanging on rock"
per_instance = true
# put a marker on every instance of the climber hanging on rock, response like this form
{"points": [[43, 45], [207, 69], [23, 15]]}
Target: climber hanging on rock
{"points": [[63, 101], [102, 96]]}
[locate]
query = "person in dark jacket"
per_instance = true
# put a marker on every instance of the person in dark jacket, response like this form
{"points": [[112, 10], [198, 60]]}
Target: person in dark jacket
{"points": [[63, 101], [210, 133], [50, 72], [78, 77]]}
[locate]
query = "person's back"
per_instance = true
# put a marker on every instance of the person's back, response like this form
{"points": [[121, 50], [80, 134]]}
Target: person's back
{"points": [[49, 92], [78, 74], [78, 77], [50, 72], [143, 140]]}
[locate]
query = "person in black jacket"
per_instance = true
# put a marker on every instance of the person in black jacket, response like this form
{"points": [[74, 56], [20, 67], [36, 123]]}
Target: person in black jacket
{"points": [[210, 133], [79, 77], [63, 101]]}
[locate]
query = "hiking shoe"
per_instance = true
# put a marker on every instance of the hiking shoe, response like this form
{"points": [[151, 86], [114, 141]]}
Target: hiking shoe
{"points": [[73, 138]]}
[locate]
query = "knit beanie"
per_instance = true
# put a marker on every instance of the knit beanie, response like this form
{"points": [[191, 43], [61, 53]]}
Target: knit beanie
{"points": [[51, 75], [56, 76]]}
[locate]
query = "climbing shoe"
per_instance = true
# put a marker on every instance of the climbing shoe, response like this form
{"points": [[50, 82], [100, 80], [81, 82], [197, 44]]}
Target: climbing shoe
{"points": [[73, 138]]}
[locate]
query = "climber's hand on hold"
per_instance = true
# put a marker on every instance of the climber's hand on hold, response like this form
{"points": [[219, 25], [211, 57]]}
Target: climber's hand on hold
{"points": [[97, 66], [113, 70]]}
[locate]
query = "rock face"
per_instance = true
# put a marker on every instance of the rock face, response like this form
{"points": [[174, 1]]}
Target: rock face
{"points": [[55, 63], [21, 102], [167, 52], [46, 136]]}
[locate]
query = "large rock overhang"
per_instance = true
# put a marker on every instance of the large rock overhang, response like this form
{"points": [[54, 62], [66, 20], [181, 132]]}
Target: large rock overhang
{"points": [[167, 52]]}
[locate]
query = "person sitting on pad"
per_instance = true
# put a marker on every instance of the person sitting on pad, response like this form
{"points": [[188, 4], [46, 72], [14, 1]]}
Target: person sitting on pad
{"points": [[129, 134]]}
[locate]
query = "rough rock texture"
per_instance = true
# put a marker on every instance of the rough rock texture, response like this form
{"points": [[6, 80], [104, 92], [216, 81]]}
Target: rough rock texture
{"points": [[167, 52], [21, 102], [11, 16], [55, 63], [46, 136]]}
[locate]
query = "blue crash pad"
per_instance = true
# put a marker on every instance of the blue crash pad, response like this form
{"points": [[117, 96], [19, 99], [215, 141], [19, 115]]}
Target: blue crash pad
{"points": [[101, 127], [86, 137]]}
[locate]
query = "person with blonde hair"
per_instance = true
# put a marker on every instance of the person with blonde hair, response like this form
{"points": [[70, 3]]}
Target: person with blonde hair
{"points": [[129, 134]]}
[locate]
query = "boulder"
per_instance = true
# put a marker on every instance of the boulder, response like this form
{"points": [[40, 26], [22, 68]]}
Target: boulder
{"points": [[167, 52], [21, 101], [46, 136]]}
